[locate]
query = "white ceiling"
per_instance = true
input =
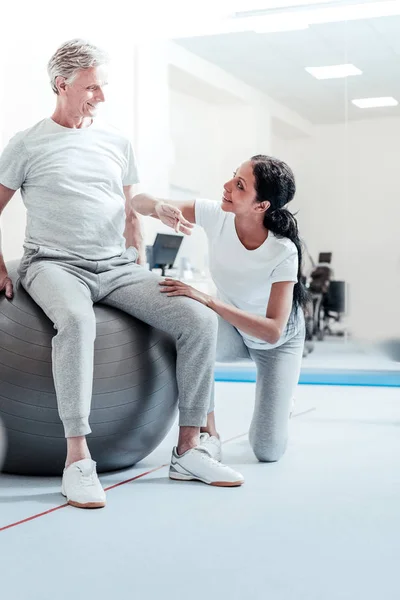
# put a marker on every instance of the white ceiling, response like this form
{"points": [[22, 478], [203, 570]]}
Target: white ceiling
{"points": [[274, 63]]}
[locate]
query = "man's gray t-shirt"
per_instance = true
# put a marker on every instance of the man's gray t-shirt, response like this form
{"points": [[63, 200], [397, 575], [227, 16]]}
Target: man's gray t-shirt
{"points": [[71, 183]]}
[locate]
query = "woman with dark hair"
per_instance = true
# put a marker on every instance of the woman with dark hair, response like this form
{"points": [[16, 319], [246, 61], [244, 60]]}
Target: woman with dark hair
{"points": [[255, 259]]}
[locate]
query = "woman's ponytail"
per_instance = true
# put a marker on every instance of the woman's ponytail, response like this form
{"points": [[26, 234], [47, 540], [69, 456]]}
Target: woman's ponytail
{"points": [[275, 183]]}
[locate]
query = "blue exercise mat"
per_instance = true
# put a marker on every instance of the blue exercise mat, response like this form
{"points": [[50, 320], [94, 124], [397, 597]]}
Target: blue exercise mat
{"points": [[247, 374]]}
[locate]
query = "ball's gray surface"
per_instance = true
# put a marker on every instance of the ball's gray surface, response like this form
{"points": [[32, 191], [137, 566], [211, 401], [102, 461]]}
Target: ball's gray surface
{"points": [[134, 400], [2, 444]]}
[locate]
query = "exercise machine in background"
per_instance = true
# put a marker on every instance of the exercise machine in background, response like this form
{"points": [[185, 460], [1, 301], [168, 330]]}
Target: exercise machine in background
{"points": [[162, 254], [328, 298]]}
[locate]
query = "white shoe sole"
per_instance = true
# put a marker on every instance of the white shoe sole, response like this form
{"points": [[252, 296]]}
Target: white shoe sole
{"points": [[100, 504], [181, 477]]}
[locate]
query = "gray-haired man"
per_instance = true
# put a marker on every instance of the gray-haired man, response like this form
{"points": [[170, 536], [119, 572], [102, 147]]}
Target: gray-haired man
{"points": [[83, 245]]}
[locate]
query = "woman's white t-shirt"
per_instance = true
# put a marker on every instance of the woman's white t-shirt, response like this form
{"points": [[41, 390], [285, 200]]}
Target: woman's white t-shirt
{"points": [[243, 278]]}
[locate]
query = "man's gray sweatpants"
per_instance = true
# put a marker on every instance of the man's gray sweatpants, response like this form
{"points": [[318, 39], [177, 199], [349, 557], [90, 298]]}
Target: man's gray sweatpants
{"points": [[278, 371], [66, 286]]}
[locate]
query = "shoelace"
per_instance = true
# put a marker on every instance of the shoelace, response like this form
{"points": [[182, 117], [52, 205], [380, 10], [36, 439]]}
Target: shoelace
{"points": [[87, 479], [205, 455], [214, 442], [211, 440]]}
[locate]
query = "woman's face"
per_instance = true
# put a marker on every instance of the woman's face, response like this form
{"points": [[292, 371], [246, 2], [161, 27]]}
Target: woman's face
{"points": [[239, 195]]}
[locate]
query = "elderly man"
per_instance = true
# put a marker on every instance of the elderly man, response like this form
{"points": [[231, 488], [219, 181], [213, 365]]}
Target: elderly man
{"points": [[83, 245]]}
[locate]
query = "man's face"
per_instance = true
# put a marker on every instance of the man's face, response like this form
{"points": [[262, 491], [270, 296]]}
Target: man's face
{"points": [[83, 95]]}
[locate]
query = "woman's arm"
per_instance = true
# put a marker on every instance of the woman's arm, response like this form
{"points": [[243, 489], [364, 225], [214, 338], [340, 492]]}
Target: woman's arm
{"points": [[178, 215], [268, 328]]}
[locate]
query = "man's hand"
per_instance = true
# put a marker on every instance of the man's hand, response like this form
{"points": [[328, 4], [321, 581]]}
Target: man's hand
{"points": [[141, 258], [6, 285], [172, 216]]}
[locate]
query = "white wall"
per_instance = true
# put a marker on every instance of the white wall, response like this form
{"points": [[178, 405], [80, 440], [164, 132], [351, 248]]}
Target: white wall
{"points": [[247, 95], [195, 142], [196, 162], [349, 200], [211, 140], [27, 98]]}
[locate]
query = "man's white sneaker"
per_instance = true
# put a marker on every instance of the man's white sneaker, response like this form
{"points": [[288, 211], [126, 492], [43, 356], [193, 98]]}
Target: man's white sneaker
{"points": [[81, 486], [212, 444], [197, 464]]}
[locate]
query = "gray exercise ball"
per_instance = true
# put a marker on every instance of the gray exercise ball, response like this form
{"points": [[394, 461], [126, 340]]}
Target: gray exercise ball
{"points": [[3, 441], [134, 400]]}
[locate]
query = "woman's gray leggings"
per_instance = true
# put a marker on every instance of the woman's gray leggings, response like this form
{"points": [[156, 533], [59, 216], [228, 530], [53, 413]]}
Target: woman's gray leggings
{"points": [[278, 372]]}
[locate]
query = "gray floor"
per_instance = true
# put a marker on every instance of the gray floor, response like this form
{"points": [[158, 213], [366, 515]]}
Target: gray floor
{"points": [[346, 353], [323, 524]]}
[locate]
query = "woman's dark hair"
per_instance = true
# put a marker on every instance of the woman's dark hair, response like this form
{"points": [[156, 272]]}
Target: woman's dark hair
{"points": [[275, 183]]}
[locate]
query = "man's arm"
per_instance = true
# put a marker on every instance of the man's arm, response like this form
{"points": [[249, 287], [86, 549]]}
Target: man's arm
{"points": [[5, 282], [133, 230]]}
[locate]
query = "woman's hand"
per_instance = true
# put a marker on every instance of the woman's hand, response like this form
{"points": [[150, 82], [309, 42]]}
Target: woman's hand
{"points": [[173, 217], [172, 287]]}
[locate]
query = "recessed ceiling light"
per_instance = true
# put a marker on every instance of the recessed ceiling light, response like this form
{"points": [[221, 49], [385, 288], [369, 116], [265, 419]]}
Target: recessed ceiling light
{"points": [[375, 102], [334, 71]]}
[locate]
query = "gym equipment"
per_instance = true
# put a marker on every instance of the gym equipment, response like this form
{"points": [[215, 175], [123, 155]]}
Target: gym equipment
{"points": [[164, 251], [134, 401]]}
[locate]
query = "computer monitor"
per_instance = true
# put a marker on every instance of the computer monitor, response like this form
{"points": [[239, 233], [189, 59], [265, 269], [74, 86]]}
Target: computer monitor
{"points": [[325, 257], [162, 254]]}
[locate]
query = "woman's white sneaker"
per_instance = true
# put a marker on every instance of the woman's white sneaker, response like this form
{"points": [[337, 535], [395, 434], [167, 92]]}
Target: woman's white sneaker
{"points": [[197, 464], [81, 486], [213, 445]]}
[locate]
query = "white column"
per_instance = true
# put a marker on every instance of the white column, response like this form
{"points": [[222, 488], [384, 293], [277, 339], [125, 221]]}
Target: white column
{"points": [[152, 129]]}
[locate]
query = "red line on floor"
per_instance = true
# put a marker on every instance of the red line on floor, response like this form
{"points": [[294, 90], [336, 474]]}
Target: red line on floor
{"points": [[235, 437], [47, 512], [111, 487], [304, 412]]}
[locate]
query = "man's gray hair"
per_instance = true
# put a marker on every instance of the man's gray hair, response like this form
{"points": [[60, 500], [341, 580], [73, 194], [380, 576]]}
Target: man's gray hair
{"points": [[73, 56]]}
